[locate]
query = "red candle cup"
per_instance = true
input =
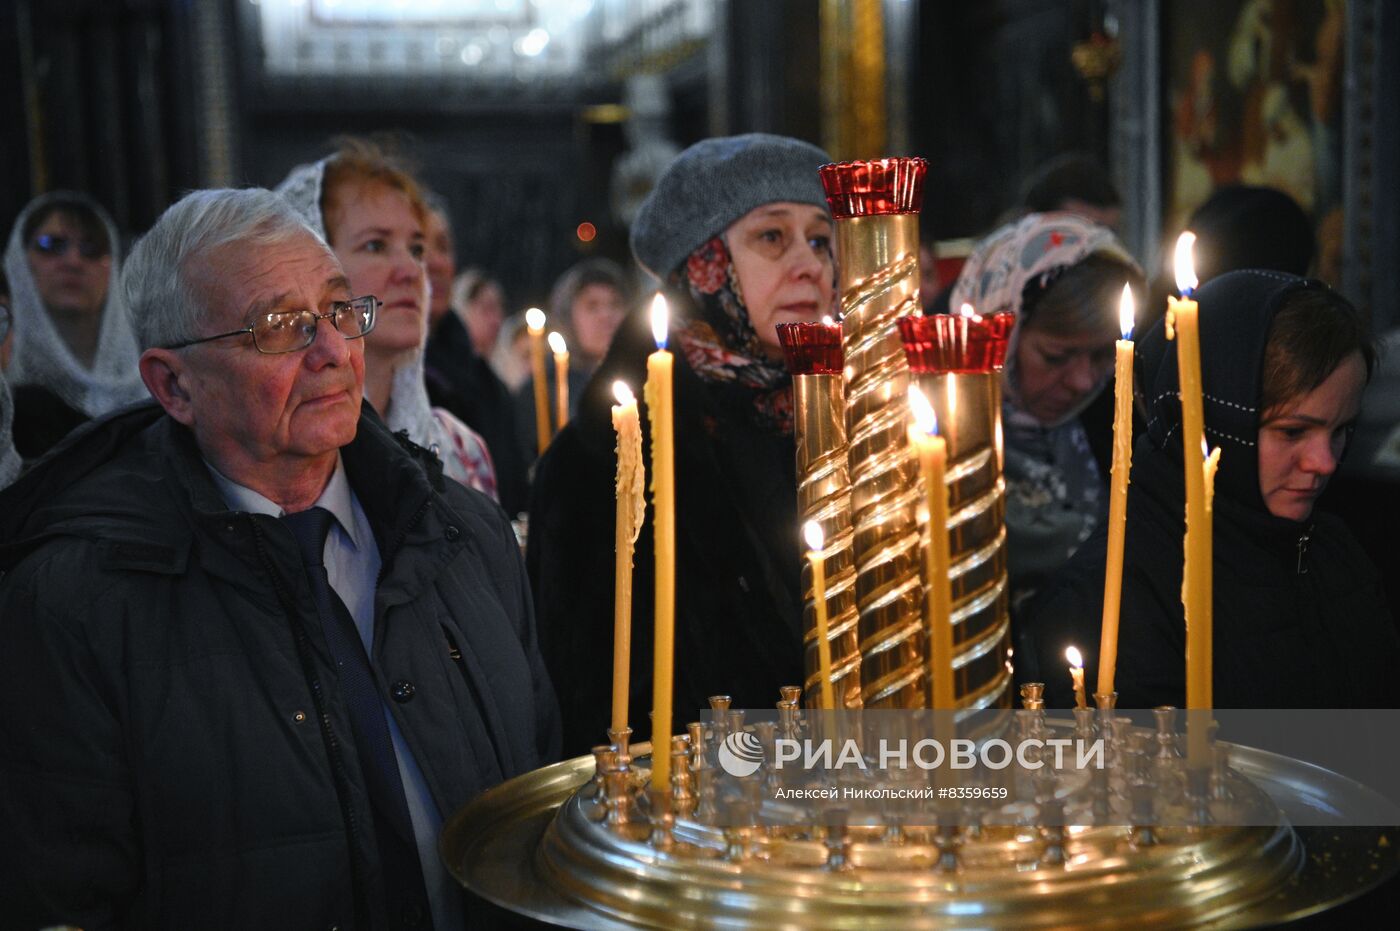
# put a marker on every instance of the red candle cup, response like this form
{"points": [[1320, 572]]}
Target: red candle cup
{"points": [[811, 348], [878, 187], [941, 343]]}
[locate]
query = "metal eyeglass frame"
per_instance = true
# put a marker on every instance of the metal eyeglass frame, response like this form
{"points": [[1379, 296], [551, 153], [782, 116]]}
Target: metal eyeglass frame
{"points": [[336, 307]]}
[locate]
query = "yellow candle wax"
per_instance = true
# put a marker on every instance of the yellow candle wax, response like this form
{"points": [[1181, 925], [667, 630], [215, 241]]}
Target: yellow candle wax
{"points": [[631, 511], [660, 365], [933, 455], [816, 556], [1118, 496], [1203, 546], [534, 324], [1076, 674], [1183, 326], [561, 380], [1206, 547]]}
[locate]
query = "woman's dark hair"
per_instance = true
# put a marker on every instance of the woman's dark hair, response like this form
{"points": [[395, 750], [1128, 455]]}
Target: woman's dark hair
{"points": [[1314, 331], [1251, 227], [481, 286], [1081, 299], [588, 272], [1072, 176], [79, 213]]}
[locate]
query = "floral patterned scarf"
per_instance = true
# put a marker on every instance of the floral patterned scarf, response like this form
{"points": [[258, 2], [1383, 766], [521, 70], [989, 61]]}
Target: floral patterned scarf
{"points": [[719, 341]]}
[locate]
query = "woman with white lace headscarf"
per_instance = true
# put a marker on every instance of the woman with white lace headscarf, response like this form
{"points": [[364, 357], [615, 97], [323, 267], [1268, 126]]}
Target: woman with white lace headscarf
{"points": [[371, 213], [72, 334], [9, 459], [1062, 276]]}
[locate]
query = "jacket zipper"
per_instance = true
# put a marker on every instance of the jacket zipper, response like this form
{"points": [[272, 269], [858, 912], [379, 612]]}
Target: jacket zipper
{"points": [[1303, 551]]}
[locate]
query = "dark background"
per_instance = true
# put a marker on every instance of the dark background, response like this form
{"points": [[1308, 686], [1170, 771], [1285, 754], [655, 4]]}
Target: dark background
{"points": [[122, 90]]}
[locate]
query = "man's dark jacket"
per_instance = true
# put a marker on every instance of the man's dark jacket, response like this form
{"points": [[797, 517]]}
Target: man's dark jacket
{"points": [[174, 748], [738, 559]]}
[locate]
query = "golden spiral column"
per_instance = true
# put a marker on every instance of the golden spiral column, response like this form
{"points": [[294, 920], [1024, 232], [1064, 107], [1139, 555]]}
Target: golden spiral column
{"points": [[813, 352], [956, 361], [876, 204]]}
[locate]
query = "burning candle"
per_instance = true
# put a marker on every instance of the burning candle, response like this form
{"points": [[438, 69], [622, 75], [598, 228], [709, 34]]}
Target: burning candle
{"points": [[660, 365], [816, 541], [933, 454], [1118, 496], [631, 511], [1076, 673], [534, 324], [561, 379], [1183, 326]]}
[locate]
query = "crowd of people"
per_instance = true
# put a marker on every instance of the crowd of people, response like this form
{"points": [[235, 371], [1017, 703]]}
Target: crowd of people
{"points": [[266, 618]]}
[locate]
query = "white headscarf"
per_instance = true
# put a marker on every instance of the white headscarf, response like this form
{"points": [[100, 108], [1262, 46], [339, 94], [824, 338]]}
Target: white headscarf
{"points": [[41, 354], [9, 458], [408, 396]]}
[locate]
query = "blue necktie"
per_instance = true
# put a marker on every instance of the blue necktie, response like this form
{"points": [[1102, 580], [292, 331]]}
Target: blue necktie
{"points": [[405, 894]]}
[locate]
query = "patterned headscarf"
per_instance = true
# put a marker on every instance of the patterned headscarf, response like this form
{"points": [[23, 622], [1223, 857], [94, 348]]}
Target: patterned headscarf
{"points": [[1053, 487], [41, 355], [1033, 250], [719, 341]]}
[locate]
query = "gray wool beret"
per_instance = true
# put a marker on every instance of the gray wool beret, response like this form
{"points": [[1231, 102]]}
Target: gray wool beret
{"points": [[715, 182]]}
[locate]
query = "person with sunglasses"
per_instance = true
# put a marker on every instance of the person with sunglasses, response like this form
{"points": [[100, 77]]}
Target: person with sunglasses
{"points": [[72, 334], [256, 648]]}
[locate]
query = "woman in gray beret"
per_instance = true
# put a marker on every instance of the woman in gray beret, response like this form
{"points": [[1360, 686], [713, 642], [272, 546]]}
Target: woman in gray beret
{"points": [[738, 236]]}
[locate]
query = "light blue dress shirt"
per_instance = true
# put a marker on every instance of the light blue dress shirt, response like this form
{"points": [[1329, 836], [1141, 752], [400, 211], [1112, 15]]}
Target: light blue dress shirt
{"points": [[352, 563]]}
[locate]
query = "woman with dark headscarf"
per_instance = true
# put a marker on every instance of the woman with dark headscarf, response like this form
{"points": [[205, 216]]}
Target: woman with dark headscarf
{"points": [[738, 234], [1300, 621], [1062, 276]]}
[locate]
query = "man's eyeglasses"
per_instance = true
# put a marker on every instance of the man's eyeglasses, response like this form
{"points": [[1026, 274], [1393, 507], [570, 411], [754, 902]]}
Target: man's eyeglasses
{"points": [[57, 246], [289, 331]]}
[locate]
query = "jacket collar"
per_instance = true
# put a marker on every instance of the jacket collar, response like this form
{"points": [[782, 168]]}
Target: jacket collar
{"points": [[135, 484]]}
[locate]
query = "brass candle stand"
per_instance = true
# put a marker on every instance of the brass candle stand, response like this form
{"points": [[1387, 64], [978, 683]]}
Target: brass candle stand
{"points": [[814, 356], [1139, 842], [956, 360], [875, 205]]}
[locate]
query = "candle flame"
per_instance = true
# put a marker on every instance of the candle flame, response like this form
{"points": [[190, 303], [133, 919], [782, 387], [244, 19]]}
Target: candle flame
{"points": [[1075, 660], [557, 344], [924, 416], [623, 393], [534, 319], [660, 317], [1205, 449], [969, 312], [812, 533], [827, 321], [1186, 280], [1126, 311]]}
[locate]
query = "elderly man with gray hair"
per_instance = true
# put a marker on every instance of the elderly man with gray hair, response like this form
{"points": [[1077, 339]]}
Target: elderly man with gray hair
{"points": [[254, 648]]}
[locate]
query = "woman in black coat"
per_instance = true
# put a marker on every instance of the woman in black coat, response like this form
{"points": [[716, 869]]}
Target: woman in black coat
{"points": [[1300, 620], [738, 233]]}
